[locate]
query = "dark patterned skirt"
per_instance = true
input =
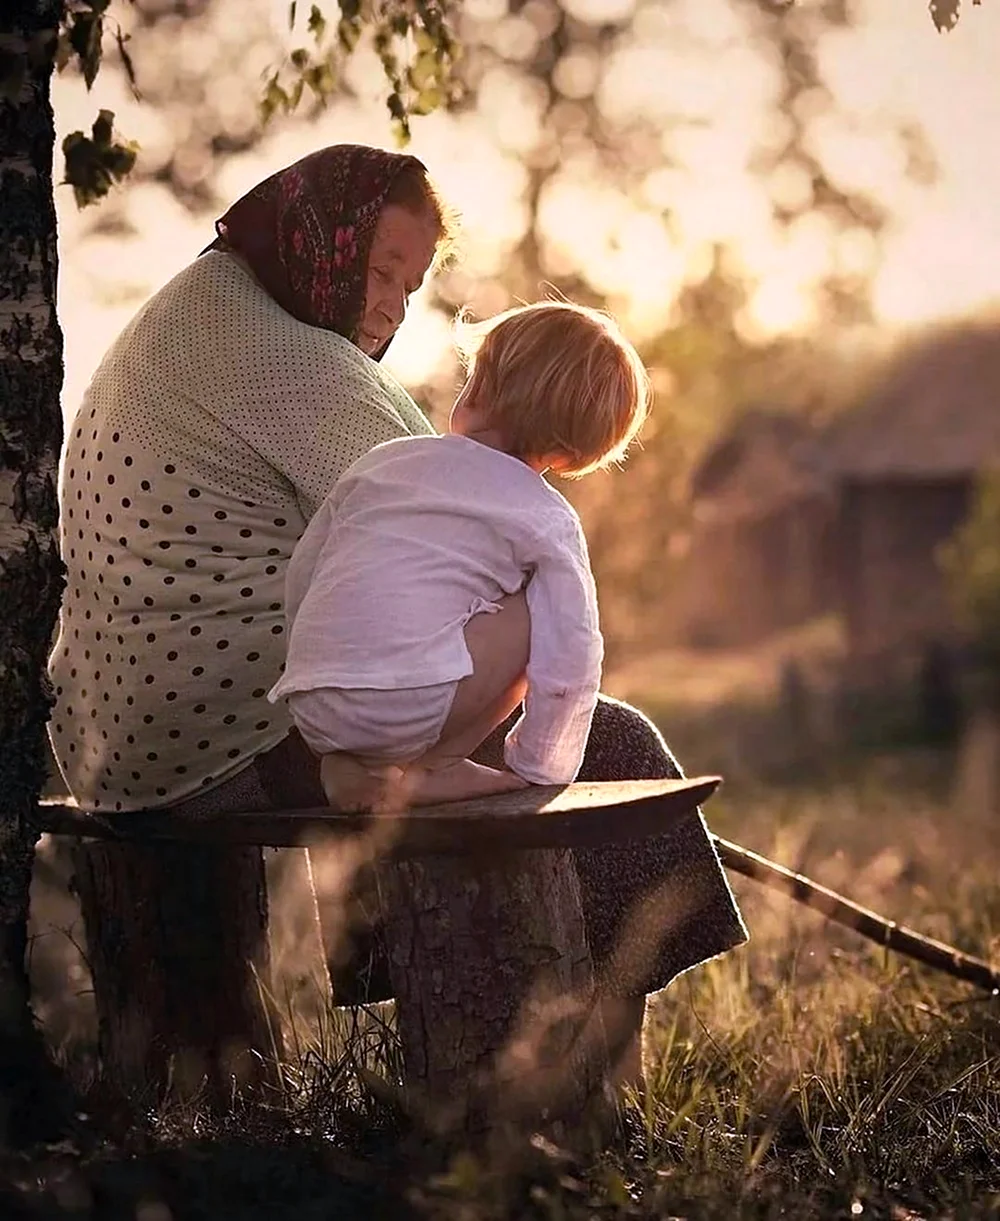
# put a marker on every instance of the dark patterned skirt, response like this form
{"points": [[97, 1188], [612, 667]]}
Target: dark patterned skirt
{"points": [[653, 908]]}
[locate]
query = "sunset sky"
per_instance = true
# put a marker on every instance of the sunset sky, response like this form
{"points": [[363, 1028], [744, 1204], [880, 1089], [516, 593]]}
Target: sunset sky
{"points": [[942, 255]]}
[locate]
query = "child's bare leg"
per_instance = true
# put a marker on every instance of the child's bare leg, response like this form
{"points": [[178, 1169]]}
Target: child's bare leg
{"points": [[352, 782], [498, 644], [460, 780]]}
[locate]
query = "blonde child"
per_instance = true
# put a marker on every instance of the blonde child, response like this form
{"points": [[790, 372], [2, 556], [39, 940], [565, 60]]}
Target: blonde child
{"points": [[404, 595]]}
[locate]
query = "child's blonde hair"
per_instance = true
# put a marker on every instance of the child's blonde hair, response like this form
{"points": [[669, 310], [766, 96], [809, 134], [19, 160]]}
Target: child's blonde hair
{"points": [[557, 379]]}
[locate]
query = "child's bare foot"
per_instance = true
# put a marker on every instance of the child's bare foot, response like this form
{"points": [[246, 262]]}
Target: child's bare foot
{"points": [[351, 784], [458, 782]]}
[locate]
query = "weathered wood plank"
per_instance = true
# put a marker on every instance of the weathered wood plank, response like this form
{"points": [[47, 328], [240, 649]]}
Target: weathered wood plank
{"points": [[570, 816]]}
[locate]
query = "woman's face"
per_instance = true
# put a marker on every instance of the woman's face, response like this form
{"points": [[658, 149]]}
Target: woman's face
{"points": [[402, 251]]}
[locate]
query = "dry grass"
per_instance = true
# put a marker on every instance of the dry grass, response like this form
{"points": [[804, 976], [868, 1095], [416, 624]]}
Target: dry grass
{"points": [[812, 1074], [815, 1067], [808, 1075]]}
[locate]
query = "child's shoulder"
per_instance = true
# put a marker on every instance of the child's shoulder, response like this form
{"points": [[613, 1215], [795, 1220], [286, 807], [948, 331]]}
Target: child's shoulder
{"points": [[420, 447]]}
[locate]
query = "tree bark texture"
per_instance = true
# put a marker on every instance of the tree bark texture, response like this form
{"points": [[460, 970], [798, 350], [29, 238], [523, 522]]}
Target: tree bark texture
{"points": [[30, 568], [177, 943], [494, 990]]}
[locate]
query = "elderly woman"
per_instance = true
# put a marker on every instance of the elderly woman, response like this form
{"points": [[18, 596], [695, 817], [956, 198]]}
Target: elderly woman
{"points": [[212, 430]]}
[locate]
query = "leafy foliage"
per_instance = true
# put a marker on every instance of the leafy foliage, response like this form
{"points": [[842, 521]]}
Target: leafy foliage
{"points": [[414, 43], [945, 13], [413, 40], [95, 163]]}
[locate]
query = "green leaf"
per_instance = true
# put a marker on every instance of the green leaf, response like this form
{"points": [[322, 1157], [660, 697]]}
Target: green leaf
{"points": [[103, 126], [401, 132], [348, 33], [274, 99], [321, 80], [945, 14], [317, 23], [85, 32], [423, 70], [427, 101], [423, 40], [94, 164]]}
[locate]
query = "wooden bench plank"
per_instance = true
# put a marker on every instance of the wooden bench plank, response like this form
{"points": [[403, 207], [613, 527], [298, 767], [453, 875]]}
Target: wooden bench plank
{"points": [[556, 816]]}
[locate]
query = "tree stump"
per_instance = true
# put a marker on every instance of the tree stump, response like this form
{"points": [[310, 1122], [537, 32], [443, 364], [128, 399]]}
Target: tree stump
{"points": [[485, 927], [495, 994], [178, 949]]}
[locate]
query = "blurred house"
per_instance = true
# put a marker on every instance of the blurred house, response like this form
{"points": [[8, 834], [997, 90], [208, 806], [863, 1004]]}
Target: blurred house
{"points": [[763, 517], [906, 462]]}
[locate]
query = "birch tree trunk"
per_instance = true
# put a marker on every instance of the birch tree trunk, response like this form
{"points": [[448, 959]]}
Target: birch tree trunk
{"points": [[32, 1101]]}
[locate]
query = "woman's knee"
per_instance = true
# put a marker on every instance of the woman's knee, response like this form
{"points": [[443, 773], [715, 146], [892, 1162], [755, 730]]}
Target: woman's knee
{"points": [[624, 744]]}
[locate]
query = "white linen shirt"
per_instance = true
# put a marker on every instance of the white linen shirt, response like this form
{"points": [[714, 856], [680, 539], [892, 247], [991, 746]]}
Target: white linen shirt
{"points": [[212, 430], [418, 536]]}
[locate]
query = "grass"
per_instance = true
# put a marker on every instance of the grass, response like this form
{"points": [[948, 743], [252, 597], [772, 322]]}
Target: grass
{"points": [[813, 1067], [812, 1074], [809, 1074]]}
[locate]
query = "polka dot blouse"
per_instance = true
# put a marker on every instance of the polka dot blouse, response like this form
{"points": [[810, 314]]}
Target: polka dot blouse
{"points": [[213, 429]]}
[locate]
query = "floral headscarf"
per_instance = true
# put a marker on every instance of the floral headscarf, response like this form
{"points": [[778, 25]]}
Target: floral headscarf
{"points": [[306, 232]]}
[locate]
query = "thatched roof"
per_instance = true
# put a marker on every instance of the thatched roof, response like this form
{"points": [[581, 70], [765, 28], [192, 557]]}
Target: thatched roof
{"points": [[933, 413], [766, 461]]}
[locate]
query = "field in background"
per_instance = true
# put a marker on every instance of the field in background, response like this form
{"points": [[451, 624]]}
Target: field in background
{"points": [[809, 1074]]}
